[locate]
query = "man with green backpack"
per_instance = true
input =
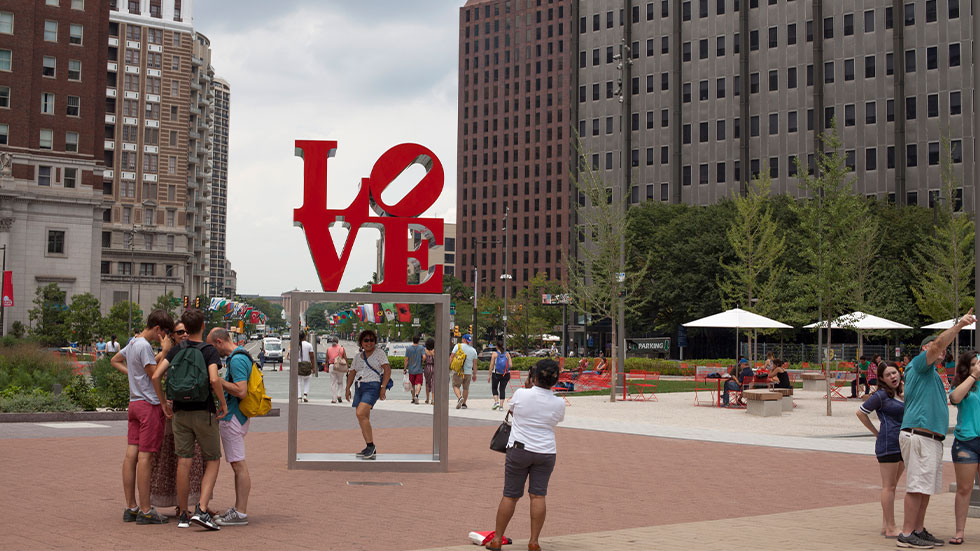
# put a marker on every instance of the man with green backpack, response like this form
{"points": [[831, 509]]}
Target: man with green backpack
{"points": [[192, 385]]}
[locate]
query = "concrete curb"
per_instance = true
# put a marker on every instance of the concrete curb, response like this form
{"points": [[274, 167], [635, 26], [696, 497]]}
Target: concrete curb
{"points": [[63, 416]]}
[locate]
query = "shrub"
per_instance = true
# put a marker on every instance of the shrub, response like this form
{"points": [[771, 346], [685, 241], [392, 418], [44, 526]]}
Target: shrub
{"points": [[111, 385], [81, 393], [29, 367], [36, 401]]}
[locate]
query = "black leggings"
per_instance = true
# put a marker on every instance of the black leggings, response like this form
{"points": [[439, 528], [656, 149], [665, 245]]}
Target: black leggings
{"points": [[498, 384]]}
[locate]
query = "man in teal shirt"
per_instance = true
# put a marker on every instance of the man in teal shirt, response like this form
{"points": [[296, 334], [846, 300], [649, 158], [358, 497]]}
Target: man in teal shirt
{"points": [[234, 426], [923, 431]]}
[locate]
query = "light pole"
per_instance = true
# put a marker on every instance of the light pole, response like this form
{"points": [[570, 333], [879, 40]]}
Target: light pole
{"points": [[975, 495], [506, 275], [132, 275], [3, 285], [626, 162]]}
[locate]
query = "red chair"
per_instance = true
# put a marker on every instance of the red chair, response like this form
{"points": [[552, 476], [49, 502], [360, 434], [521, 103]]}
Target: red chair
{"points": [[515, 376], [641, 385], [838, 380]]}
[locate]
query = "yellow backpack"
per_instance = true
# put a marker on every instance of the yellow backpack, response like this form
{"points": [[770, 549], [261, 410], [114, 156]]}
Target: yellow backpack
{"points": [[458, 360], [256, 402]]}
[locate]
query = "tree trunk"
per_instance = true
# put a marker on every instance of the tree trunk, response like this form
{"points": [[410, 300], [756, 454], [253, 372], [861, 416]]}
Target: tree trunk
{"points": [[826, 371], [613, 358]]}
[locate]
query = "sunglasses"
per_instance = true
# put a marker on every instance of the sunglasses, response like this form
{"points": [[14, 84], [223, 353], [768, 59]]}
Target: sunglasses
{"points": [[180, 332], [368, 339]]}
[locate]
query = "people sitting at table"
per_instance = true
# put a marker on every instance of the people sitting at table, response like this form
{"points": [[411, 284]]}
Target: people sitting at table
{"points": [[860, 377], [737, 375], [779, 375]]}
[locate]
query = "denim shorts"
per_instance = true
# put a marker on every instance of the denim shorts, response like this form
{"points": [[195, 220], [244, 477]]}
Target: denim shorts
{"points": [[966, 451], [368, 393]]}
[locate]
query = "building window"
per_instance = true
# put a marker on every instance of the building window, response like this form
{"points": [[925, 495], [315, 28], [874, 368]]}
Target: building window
{"points": [[933, 153], [51, 31], [869, 66], [74, 69], [909, 14], [48, 65], [912, 155], [4, 134], [5, 97], [46, 138], [125, 268], [47, 103], [6, 22], [56, 242], [170, 247], [910, 61], [175, 63], [932, 105], [954, 55], [5, 60], [955, 105], [78, 4], [869, 21], [870, 159], [106, 266], [73, 106], [954, 9], [75, 34], [870, 112], [44, 176], [848, 24], [71, 142], [71, 175]]}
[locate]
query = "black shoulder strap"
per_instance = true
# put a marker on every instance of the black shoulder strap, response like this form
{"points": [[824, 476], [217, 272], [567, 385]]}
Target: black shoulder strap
{"points": [[371, 367]]}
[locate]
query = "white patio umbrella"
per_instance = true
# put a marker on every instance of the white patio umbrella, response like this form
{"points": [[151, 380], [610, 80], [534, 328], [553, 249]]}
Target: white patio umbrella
{"points": [[738, 319], [948, 324], [860, 322]]}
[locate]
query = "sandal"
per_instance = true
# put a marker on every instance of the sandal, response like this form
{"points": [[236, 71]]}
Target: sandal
{"points": [[956, 541], [533, 547], [491, 547]]}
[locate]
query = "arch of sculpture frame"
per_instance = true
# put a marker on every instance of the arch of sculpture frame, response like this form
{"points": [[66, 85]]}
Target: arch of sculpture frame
{"points": [[438, 461]]}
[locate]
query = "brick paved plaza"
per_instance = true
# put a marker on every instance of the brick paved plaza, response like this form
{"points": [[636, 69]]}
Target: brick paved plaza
{"points": [[610, 490]]}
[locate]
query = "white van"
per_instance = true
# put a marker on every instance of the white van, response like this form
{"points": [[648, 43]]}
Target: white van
{"points": [[273, 349]]}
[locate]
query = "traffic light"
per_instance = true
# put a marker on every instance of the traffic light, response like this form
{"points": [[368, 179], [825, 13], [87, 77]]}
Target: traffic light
{"points": [[456, 331], [471, 329], [197, 302], [185, 301]]}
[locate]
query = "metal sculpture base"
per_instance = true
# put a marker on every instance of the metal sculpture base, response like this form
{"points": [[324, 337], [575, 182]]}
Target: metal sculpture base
{"points": [[438, 460]]}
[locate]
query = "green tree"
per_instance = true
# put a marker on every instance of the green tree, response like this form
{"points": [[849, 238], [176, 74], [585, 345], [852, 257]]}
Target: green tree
{"points": [[49, 317], [116, 321], [944, 282], [829, 216], [168, 303], [84, 316], [750, 282]]}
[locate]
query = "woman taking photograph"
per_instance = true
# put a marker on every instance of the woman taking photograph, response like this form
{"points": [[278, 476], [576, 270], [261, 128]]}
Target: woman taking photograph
{"points": [[966, 445], [888, 402], [372, 372], [531, 451], [500, 362]]}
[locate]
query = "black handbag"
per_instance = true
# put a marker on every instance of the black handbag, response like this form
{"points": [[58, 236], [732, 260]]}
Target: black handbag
{"points": [[498, 442]]}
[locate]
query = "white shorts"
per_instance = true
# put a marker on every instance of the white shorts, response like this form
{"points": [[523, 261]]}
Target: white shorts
{"points": [[923, 457], [233, 438]]}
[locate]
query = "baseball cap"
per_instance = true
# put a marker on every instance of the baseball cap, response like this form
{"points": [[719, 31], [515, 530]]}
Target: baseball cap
{"points": [[468, 338], [928, 340]]}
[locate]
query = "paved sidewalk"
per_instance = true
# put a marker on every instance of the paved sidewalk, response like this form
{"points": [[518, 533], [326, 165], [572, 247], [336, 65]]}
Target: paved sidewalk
{"points": [[830, 528]]}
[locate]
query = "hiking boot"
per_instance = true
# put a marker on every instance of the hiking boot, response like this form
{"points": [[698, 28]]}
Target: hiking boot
{"points": [[151, 517], [131, 515], [203, 518], [369, 452], [913, 541], [926, 536], [184, 521], [232, 518]]}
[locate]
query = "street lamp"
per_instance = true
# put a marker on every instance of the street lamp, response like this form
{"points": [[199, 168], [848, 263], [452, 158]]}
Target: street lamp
{"points": [[506, 276]]}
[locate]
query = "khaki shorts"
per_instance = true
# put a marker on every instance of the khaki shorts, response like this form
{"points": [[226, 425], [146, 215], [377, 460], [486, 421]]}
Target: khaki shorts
{"points": [[201, 426], [923, 458], [461, 381]]}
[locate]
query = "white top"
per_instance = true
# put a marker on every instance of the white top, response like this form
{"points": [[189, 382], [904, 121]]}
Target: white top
{"points": [[366, 374], [112, 346], [305, 352], [536, 412], [139, 354]]}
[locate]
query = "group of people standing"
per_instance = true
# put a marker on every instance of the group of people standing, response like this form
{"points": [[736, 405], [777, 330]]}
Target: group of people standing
{"points": [[913, 419]]}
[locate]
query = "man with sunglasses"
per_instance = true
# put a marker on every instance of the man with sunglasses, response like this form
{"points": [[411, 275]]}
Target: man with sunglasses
{"points": [[146, 424]]}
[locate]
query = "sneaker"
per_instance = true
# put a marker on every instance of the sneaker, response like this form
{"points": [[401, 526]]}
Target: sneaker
{"points": [[913, 541], [369, 452], [464, 406], [151, 517], [305, 398], [496, 406], [362, 452], [131, 515], [184, 521], [232, 518], [459, 403], [334, 401], [926, 536], [203, 518]]}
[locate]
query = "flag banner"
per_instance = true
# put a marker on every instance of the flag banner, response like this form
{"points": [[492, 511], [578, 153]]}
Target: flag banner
{"points": [[404, 313], [8, 289], [254, 318], [379, 314], [389, 309], [368, 312], [360, 314], [214, 303]]}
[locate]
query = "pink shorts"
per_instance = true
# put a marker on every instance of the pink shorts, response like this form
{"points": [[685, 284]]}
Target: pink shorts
{"points": [[233, 438], [145, 426], [415, 378]]}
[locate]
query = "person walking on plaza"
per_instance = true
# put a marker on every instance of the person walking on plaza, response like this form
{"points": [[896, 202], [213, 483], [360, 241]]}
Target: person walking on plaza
{"points": [[887, 402], [145, 433], [337, 362], [413, 364], [531, 451], [429, 367], [372, 372], [194, 420], [500, 364], [923, 431], [234, 426], [304, 368], [100, 349], [112, 346], [462, 381], [965, 395]]}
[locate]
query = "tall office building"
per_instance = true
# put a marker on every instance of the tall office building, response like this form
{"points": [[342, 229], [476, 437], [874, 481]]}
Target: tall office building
{"points": [[52, 81], [157, 153], [516, 116], [720, 90], [220, 279]]}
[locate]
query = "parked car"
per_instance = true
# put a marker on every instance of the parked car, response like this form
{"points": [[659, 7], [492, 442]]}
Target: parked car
{"points": [[321, 360], [486, 354], [541, 353], [273, 350]]}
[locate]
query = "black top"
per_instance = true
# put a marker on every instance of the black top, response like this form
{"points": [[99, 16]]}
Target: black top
{"points": [[783, 380], [211, 356]]}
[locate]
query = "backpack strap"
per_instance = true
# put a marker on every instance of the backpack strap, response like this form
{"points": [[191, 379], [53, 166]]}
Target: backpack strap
{"points": [[251, 362]]}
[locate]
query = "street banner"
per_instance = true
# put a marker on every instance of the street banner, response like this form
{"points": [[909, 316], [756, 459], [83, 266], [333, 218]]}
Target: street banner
{"points": [[389, 309], [379, 314], [8, 289], [404, 313], [254, 318]]}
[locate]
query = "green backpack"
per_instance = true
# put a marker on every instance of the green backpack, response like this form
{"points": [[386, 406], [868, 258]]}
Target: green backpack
{"points": [[187, 376]]}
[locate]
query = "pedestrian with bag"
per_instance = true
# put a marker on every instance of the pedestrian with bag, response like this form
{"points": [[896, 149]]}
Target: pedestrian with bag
{"points": [[304, 368], [500, 364], [463, 364], [372, 372], [531, 451], [414, 367], [965, 395], [337, 364]]}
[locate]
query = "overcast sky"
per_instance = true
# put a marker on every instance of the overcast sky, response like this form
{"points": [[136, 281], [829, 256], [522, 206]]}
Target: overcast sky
{"points": [[367, 74]]}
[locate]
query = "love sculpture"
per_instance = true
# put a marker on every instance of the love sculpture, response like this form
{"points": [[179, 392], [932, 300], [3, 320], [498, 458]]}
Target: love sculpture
{"points": [[394, 221]]}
